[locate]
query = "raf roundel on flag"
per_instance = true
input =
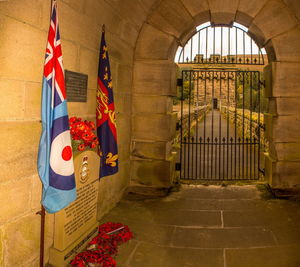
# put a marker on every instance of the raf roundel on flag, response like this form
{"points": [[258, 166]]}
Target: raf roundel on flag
{"points": [[55, 159]]}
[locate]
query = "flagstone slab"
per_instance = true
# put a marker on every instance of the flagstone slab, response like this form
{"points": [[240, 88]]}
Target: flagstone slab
{"points": [[133, 212], [145, 231], [152, 233], [125, 251], [171, 257], [258, 227], [217, 192], [287, 234], [170, 217], [176, 202], [225, 204], [263, 257], [255, 217], [223, 238], [189, 218], [234, 219]]}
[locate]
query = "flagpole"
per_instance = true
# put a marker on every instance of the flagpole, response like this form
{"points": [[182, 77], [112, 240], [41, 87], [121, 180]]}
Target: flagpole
{"points": [[103, 30], [42, 236], [42, 212]]}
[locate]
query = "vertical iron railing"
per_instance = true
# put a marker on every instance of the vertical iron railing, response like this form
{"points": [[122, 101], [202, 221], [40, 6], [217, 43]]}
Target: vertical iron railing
{"points": [[221, 51], [220, 141]]}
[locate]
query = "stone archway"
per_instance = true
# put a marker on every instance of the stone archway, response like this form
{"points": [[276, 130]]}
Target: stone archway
{"points": [[273, 24]]}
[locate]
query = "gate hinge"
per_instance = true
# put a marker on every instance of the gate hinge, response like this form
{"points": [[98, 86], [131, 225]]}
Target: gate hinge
{"points": [[178, 166], [262, 126], [180, 82], [263, 83], [262, 171]]}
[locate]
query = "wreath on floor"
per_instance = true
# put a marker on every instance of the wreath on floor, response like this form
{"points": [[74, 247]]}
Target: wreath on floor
{"points": [[102, 248]]}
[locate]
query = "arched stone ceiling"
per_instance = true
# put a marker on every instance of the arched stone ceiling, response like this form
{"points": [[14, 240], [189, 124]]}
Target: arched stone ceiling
{"points": [[273, 24]]}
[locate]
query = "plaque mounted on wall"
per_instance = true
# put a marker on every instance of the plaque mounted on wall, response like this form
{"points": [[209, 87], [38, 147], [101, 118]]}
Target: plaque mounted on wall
{"points": [[76, 86]]}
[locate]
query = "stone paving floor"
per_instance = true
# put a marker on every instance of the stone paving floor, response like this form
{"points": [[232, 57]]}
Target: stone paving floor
{"points": [[211, 226]]}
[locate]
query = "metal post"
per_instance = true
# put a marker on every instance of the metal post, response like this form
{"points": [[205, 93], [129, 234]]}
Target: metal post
{"points": [[181, 122], [42, 236], [42, 211]]}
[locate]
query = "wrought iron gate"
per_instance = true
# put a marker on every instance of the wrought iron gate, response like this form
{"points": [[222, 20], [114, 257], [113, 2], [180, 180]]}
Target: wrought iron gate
{"points": [[221, 125]]}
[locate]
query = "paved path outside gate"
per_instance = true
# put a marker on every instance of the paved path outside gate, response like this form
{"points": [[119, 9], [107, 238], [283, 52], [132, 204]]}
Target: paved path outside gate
{"points": [[215, 126], [210, 226], [220, 158]]}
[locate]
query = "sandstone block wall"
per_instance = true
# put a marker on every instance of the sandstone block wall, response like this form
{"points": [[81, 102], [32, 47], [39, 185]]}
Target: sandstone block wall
{"points": [[23, 37], [142, 36], [283, 124], [274, 25]]}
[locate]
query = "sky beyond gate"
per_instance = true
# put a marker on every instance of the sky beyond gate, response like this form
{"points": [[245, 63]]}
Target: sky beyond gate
{"points": [[203, 42]]}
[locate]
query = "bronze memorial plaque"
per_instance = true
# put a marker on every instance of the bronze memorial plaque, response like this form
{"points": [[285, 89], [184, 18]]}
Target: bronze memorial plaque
{"points": [[76, 86]]}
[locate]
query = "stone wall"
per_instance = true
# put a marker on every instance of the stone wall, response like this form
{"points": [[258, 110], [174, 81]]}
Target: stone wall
{"points": [[142, 49], [274, 25], [23, 37], [188, 120], [246, 122], [282, 123], [153, 121]]}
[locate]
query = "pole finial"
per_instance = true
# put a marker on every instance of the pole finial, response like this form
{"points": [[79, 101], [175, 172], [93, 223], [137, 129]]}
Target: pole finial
{"points": [[103, 28]]}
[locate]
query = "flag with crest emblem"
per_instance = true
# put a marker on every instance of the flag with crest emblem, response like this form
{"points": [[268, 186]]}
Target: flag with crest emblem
{"points": [[105, 115]]}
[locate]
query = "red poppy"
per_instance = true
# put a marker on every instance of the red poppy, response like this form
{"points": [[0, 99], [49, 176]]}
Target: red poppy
{"points": [[92, 125], [93, 145], [104, 245], [72, 119], [83, 130], [81, 147]]}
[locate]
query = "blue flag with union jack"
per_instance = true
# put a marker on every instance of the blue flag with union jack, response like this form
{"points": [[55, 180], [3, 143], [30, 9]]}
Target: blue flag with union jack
{"points": [[105, 115], [55, 158]]}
